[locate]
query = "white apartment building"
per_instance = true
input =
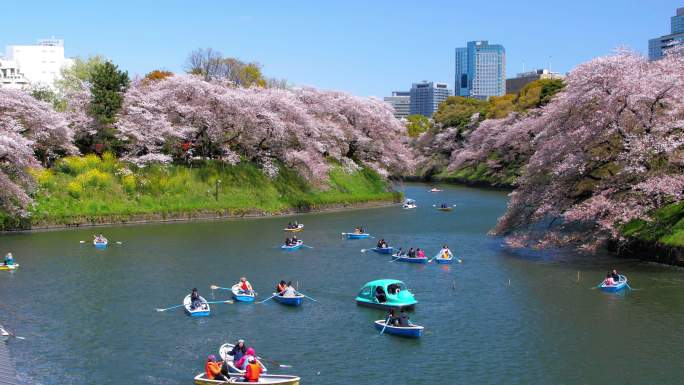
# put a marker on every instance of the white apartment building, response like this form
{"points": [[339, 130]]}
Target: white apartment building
{"points": [[10, 76], [39, 64]]}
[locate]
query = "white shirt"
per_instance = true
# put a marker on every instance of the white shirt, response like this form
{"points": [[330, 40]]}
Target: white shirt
{"points": [[290, 292]]}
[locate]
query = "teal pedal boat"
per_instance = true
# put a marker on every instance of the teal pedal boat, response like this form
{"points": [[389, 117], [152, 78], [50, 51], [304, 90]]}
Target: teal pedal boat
{"points": [[385, 294]]}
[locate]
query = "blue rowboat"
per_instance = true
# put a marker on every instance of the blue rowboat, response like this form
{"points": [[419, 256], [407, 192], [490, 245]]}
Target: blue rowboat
{"points": [[100, 245], [383, 250], [413, 331], [202, 311], [407, 259], [621, 284], [289, 301], [241, 295], [357, 235], [294, 247], [444, 261]]}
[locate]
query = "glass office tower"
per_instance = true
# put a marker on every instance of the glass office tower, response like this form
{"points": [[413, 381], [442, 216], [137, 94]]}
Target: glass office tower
{"points": [[480, 70]]}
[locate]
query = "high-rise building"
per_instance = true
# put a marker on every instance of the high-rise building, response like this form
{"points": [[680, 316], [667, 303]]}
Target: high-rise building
{"points": [[426, 96], [40, 64], [658, 46], [401, 102], [480, 70], [514, 85]]}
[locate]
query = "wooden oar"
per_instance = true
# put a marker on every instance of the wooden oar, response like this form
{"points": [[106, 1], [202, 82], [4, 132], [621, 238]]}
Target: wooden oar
{"points": [[276, 363], [9, 333], [395, 258], [310, 247], [226, 301], [386, 322], [271, 297], [169, 308], [214, 287], [307, 296]]}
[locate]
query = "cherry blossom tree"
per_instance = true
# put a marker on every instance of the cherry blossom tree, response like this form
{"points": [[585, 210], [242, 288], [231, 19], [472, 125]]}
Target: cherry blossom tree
{"points": [[303, 128], [31, 134], [606, 150]]}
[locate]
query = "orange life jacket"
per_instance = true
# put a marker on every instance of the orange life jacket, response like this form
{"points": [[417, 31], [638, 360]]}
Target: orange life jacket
{"points": [[212, 369], [252, 372]]}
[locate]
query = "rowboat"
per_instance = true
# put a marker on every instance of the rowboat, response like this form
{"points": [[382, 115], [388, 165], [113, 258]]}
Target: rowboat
{"points": [[396, 295], [445, 208], [289, 301], [294, 247], [224, 352], [100, 245], [435, 189], [202, 311], [621, 284], [409, 204], [406, 258], [9, 267], [412, 331], [357, 235], [276, 379], [441, 259], [4, 334], [241, 295], [299, 228], [383, 250], [444, 261]]}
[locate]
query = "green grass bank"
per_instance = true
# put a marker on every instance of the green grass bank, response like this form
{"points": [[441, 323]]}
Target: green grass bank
{"points": [[91, 190]]}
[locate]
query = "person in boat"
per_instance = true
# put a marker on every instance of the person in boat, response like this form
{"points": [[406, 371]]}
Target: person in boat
{"points": [[239, 350], [195, 300], [357, 230], [616, 276], [609, 280], [99, 238], [213, 369], [244, 360], [392, 319], [400, 252], [289, 290], [380, 242], [420, 253], [288, 242], [380, 294], [294, 240], [411, 253], [252, 371], [280, 288], [9, 259], [445, 252], [403, 319], [393, 289], [245, 286]]}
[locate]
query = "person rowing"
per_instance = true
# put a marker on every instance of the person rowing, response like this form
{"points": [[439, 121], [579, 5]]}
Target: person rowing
{"points": [[294, 240], [616, 276], [195, 299], [99, 238], [289, 290], [382, 244], [445, 253], [288, 242], [9, 259], [245, 286], [280, 288], [239, 350]]}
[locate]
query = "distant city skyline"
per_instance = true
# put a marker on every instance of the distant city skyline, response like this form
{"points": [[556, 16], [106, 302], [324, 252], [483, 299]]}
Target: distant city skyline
{"points": [[354, 46]]}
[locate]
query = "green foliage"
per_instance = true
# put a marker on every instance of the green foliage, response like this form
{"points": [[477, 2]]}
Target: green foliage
{"points": [[84, 188], [108, 86], [667, 226], [500, 106], [538, 93], [417, 124], [73, 76], [456, 111]]}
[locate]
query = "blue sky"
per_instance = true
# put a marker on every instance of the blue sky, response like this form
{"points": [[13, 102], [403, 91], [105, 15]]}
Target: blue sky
{"points": [[363, 47]]}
